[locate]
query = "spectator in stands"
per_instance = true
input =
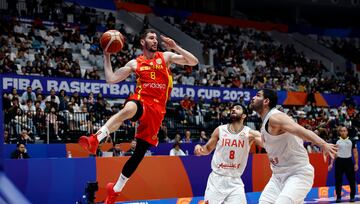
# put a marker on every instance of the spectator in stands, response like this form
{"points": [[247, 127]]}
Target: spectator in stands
{"points": [[76, 98], [14, 94], [187, 138], [6, 102], [177, 138], [110, 22], [99, 107], [162, 135], [83, 120], [20, 152], [25, 138], [116, 150], [6, 137], [187, 79], [13, 110], [38, 92], [28, 94], [91, 100], [64, 102], [40, 99], [31, 7], [132, 148], [29, 106], [203, 137], [176, 150], [52, 120], [47, 108], [39, 122], [187, 105], [52, 97], [8, 66]]}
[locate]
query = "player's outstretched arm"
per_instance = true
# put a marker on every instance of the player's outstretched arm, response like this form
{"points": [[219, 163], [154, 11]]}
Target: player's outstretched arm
{"points": [[283, 122], [120, 74], [209, 146], [255, 136], [183, 57]]}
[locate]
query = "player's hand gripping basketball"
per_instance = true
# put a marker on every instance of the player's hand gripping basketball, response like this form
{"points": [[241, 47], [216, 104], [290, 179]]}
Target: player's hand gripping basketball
{"points": [[329, 150], [199, 150], [168, 43]]}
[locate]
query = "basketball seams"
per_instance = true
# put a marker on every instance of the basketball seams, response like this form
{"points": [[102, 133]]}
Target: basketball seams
{"points": [[113, 36]]}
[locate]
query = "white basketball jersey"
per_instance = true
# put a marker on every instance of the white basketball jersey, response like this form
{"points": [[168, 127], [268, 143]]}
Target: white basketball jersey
{"points": [[286, 151], [231, 153]]}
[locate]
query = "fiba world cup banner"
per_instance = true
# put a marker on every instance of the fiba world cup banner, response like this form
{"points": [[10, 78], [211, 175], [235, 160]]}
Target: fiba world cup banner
{"points": [[124, 89], [120, 90]]}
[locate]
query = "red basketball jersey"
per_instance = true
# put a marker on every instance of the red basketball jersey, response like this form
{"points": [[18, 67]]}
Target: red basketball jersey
{"points": [[153, 80]]}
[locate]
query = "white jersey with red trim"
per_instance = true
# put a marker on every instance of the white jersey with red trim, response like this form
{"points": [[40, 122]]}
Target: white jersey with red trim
{"points": [[286, 151], [231, 153]]}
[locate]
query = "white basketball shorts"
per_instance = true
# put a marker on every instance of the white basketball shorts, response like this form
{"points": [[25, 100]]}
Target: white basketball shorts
{"points": [[224, 190], [294, 186]]}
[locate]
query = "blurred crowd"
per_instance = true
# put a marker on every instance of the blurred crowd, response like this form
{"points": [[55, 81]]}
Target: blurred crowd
{"points": [[240, 58], [323, 120], [347, 47], [234, 57], [32, 116], [247, 58]]}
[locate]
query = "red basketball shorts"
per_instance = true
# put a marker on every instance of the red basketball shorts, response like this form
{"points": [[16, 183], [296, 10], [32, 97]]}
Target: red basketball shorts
{"points": [[149, 123]]}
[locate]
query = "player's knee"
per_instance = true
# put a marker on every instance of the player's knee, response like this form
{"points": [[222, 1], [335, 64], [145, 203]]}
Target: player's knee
{"points": [[130, 109], [284, 200], [133, 110]]}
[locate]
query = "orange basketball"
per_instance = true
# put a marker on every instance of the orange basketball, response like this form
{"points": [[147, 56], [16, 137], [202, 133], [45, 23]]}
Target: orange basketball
{"points": [[112, 41]]}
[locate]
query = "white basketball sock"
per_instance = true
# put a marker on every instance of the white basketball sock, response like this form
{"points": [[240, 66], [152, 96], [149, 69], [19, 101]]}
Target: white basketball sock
{"points": [[120, 183], [102, 133]]}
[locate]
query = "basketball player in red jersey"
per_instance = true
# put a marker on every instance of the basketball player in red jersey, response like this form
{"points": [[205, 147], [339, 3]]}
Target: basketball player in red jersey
{"points": [[147, 105]]}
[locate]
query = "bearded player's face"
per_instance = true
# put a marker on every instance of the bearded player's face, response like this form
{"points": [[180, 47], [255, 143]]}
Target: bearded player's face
{"points": [[150, 42], [236, 113]]}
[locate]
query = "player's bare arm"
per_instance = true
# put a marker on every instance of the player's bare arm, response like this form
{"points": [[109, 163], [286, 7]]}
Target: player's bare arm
{"points": [[183, 57], [331, 163], [281, 122], [255, 136], [356, 158], [120, 74], [209, 146]]}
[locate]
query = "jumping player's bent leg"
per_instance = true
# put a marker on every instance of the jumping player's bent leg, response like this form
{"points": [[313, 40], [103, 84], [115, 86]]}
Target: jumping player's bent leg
{"points": [[131, 164], [91, 143], [116, 120]]}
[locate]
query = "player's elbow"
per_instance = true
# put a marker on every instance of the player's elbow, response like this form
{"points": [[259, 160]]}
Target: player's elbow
{"points": [[194, 62]]}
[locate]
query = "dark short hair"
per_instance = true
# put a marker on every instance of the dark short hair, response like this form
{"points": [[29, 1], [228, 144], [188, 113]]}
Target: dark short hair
{"points": [[145, 32], [271, 95], [176, 144], [245, 111]]}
